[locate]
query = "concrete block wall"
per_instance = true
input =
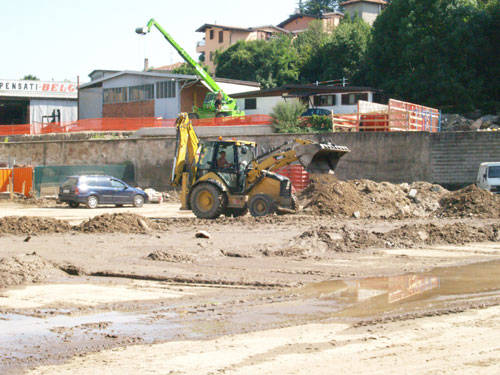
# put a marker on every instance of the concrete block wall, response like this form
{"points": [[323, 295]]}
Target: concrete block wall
{"points": [[450, 159], [455, 156]]}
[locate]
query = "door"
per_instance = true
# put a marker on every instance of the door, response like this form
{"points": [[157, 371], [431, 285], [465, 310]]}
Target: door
{"points": [[226, 165], [103, 188], [122, 193]]}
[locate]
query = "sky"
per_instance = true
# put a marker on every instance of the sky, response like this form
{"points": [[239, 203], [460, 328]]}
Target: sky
{"points": [[63, 39]]}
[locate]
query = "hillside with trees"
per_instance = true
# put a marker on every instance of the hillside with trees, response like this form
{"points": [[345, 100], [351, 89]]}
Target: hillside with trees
{"points": [[441, 53]]}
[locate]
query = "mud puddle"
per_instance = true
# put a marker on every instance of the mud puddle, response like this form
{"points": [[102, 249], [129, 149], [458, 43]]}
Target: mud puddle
{"points": [[31, 341]]}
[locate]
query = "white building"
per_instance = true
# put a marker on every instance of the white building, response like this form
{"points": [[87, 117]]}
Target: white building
{"points": [[147, 94], [337, 99], [31, 102]]}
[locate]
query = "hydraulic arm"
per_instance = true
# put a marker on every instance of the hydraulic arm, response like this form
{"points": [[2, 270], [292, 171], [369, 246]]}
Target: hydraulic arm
{"points": [[229, 107]]}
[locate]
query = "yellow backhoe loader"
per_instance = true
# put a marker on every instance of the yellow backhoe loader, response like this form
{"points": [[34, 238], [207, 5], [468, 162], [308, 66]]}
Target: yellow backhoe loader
{"points": [[225, 177]]}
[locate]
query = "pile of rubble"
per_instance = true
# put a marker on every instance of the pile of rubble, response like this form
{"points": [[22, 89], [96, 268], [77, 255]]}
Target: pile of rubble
{"points": [[326, 195], [474, 122]]}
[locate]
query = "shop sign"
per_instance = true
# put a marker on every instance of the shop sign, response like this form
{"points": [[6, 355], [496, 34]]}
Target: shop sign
{"points": [[38, 89]]}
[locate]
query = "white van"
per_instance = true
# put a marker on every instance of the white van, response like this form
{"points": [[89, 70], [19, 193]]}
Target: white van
{"points": [[488, 177]]}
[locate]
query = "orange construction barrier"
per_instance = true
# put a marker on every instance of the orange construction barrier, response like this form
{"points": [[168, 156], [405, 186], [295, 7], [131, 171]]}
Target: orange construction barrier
{"points": [[126, 124]]}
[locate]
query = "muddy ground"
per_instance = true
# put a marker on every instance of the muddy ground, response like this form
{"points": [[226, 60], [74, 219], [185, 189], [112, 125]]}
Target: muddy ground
{"points": [[356, 282]]}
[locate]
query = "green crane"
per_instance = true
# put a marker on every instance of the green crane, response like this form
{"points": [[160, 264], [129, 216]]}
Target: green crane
{"points": [[228, 105]]}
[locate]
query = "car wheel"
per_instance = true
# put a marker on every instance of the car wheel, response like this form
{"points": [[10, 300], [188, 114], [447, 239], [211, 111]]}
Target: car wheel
{"points": [[261, 205], [138, 200], [74, 204], [92, 201]]}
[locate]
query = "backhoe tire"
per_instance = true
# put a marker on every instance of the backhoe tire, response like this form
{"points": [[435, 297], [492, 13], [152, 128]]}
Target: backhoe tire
{"points": [[236, 212], [193, 116], [261, 205], [222, 114], [207, 201]]}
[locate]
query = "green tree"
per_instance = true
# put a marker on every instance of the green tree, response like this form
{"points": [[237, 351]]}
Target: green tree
{"points": [[30, 77], [341, 54], [317, 7], [433, 52], [271, 63]]}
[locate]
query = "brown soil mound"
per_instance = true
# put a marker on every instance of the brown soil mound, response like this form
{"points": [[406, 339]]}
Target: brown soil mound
{"points": [[122, 222], [30, 225], [409, 236], [324, 240], [326, 195], [166, 256], [470, 201], [29, 268]]}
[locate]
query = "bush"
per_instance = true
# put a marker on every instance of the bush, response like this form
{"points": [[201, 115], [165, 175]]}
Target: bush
{"points": [[286, 116], [321, 123]]}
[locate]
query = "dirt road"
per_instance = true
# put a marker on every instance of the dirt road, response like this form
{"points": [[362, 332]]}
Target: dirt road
{"points": [[316, 293]]}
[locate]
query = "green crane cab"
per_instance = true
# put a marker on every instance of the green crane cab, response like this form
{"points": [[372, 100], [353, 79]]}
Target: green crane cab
{"points": [[228, 105]]}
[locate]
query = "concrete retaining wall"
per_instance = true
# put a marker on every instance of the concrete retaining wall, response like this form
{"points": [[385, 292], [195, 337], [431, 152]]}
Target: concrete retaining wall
{"points": [[450, 159]]}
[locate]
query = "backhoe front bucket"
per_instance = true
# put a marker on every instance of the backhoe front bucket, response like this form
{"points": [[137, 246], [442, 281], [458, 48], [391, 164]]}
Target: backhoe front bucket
{"points": [[320, 157]]}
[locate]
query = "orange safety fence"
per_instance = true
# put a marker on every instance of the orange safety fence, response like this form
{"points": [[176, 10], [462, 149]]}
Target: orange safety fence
{"points": [[298, 176], [125, 124], [22, 180], [5, 175]]}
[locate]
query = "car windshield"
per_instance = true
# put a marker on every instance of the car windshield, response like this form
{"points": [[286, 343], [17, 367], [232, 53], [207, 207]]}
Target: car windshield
{"points": [[72, 181], [494, 172]]}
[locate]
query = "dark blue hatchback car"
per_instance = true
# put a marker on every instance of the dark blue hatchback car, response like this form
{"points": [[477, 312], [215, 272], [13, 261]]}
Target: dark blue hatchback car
{"points": [[93, 190]]}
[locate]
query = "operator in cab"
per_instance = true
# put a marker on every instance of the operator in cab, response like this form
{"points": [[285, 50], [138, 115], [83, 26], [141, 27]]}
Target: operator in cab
{"points": [[222, 162], [218, 102]]}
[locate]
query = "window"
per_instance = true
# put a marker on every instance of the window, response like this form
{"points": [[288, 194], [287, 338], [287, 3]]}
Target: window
{"points": [[211, 56], [494, 172], [117, 184], [324, 100], [221, 36], [115, 95], [211, 34], [251, 103], [141, 92], [165, 89], [352, 99]]}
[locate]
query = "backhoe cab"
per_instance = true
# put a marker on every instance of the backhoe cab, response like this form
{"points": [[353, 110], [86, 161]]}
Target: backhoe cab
{"points": [[225, 177], [208, 109]]}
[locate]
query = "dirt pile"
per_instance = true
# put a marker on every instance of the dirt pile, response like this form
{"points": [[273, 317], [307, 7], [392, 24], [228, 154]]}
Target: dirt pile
{"points": [[470, 201], [29, 268], [30, 225], [121, 222], [409, 236], [168, 256], [319, 242], [326, 195]]}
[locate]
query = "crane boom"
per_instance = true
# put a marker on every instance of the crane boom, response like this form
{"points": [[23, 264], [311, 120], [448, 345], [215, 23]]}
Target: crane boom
{"points": [[214, 87]]}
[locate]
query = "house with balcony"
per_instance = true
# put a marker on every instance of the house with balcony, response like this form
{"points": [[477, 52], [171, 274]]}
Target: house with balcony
{"points": [[219, 38]]}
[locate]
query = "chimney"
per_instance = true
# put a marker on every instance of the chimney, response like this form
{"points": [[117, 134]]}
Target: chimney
{"points": [[146, 64]]}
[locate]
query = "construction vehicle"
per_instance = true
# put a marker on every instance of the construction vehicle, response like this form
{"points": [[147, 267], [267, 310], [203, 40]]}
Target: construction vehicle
{"points": [[225, 177], [228, 105]]}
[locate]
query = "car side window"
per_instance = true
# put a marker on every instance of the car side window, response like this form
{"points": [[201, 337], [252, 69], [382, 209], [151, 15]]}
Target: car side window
{"points": [[117, 184], [102, 182]]}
